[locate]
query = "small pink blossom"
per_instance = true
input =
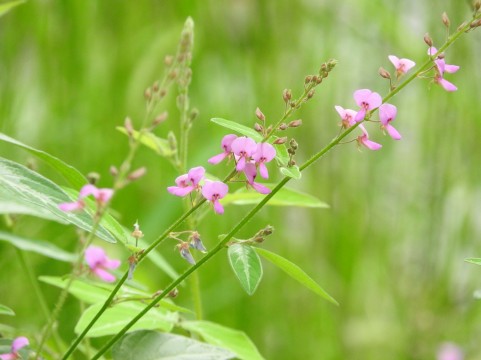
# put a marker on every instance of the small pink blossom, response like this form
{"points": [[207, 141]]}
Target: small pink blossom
{"points": [[251, 172], [17, 344], [264, 153], [441, 68], [364, 140], [366, 100], [213, 191], [402, 65], [347, 116], [387, 113], [243, 147], [449, 351], [188, 182], [99, 263], [226, 145], [102, 197]]}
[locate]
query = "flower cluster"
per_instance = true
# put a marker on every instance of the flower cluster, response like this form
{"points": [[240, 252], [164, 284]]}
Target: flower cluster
{"points": [[17, 344], [213, 191], [368, 100], [102, 197], [99, 263], [250, 157]]}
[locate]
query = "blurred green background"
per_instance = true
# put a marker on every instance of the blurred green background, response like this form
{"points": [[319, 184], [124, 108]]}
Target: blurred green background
{"points": [[391, 247]]}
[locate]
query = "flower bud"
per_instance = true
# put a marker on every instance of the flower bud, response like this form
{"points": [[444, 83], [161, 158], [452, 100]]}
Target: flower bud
{"points": [[308, 79], [172, 141], [295, 123], [260, 115], [445, 19], [280, 141], [287, 95], [267, 230], [477, 5], [293, 144], [315, 79], [148, 94], [128, 126], [196, 242], [384, 73], [258, 127], [283, 126], [475, 24], [173, 293], [428, 40], [155, 87], [168, 60], [310, 94], [113, 171], [93, 178], [183, 248], [160, 118], [137, 174], [162, 93]]}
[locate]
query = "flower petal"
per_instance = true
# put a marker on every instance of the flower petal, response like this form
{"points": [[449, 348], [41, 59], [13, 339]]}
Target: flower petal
{"points": [[387, 113], [218, 208], [180, 191], [360, 115], [392, 132], [196, 174], [451, 68], [263, 170], [217, 158], [371, 144], [446, 84], [374, 100], [361, 95], [260, 188], [19, 343], [73, 206], [104, 275], [87, 190]]}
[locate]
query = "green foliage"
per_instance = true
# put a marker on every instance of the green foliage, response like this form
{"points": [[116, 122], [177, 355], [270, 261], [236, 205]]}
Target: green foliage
{"points": [[241, 129], [284, 197], [5, 310], [151, 345], [160, 146], [296, 273], [476, 261], [41, 247], [233, 340], [117, 316], [71, 174], [9, 5], [292, 172], [23, 191], [246, 265]]}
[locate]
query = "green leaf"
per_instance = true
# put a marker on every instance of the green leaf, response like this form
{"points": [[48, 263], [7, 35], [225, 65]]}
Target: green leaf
{"points": [[72, 175], [291, 171], [23, 191], [284, 197], [92, 293], [476, 261], [241, 129], [152, 345], [116, 317], [246, 265], [38, 246], [282, 155], [234, 340], [5, 310], [6, 7], [160, 146], [296, 273]]}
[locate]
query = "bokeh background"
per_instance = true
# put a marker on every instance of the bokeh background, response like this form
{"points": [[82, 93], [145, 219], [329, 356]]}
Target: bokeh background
{"points": [[402, 220]]}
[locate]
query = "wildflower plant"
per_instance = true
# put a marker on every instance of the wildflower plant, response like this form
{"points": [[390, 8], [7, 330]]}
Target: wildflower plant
{"points": [[252, 154]]}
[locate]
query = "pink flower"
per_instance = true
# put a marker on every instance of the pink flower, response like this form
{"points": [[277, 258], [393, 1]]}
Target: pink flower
{"points": [[364, 140], [251, 172], [98, 263], [17, 344], [367, 100], [387, 113], [214, 191], [441, 68], [449, 351], [188, 182], [402, 65], [264, 153], [102, 196], [243, 147], [226, 145], [347, 116]]}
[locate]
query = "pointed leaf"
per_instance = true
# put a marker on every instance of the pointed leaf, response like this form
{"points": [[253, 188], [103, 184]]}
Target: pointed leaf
{"points": [[284, 197], [152, 345], [296, 273], [476, 261], [282, 155], [38, 246], [6, 7], [5, 310], [71, 174], [233, 340], [241, 129], [153, 142], [246, 265], [291, 171], [23, 191]]}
